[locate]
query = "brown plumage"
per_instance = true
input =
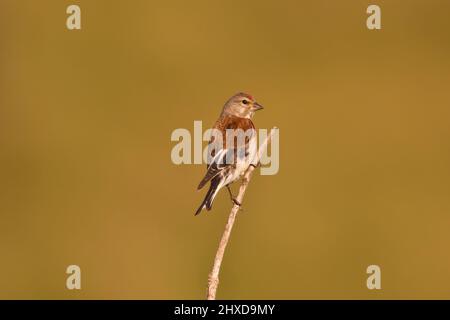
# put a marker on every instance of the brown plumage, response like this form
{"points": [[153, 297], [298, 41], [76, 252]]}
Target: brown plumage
{"points": [[231, 156]]}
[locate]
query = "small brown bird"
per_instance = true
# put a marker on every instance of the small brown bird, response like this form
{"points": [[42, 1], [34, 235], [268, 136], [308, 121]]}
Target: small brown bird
{"points": [[235, 151]]}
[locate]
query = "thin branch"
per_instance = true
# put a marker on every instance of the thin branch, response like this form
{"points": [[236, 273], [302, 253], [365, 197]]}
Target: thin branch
{"points": [[213, 279]]}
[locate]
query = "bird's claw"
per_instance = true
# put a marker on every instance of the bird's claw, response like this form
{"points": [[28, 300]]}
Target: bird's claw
{"points": [[237, 203]]}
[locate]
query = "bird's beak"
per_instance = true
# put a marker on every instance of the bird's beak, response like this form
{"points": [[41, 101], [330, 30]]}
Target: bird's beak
{"points": [[257, 106]]}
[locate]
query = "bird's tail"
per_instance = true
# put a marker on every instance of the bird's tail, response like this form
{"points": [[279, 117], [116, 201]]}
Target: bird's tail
{"points": [[210, 195]]}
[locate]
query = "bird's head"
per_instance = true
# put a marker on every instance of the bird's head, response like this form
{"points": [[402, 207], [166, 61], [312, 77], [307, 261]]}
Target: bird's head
{"points": [[241, 105]]}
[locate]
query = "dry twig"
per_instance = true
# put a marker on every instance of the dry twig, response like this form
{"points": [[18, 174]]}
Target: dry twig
{"points": [[213, 279]]}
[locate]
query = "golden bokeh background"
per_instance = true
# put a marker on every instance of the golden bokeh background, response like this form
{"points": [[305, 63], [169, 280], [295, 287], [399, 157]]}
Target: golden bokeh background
{"points": [[86, 176]]}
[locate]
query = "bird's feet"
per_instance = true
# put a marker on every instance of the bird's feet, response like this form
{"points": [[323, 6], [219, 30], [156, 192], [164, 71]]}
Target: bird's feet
{"points": [[233, 199], [236, 202]]}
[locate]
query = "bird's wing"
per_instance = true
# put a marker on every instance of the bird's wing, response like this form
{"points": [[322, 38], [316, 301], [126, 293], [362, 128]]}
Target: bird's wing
{"points": [[217, 165], [220, 156]]}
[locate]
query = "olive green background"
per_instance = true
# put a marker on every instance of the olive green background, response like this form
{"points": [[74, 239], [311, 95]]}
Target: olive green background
{"points": [[86, 176]]}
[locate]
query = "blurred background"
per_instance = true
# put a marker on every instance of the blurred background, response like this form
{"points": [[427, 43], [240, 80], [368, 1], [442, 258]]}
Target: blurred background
{"points": [[85, 169]]}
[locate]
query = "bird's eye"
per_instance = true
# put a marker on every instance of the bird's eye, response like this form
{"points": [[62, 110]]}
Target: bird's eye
{"points": [[245, 101]]}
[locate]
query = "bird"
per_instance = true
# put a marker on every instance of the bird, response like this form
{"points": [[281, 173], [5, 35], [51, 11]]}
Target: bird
{"points": [[232, 149]]}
